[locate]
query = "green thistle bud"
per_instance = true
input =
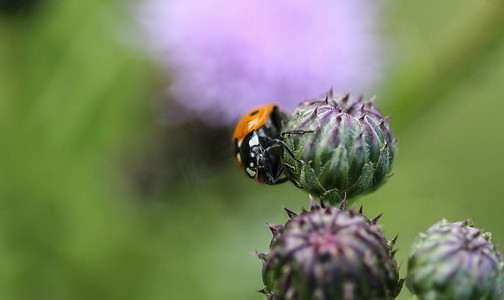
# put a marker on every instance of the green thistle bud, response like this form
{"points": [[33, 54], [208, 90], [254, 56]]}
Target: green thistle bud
{"points": [[343, 147], [454, 261], [328, 253]]}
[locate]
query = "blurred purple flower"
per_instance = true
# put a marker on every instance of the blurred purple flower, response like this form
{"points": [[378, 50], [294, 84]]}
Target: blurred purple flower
{"points": [[227, 56]]}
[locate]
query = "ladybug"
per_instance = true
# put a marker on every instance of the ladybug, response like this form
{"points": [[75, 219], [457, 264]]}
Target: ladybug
{"points": [[257, 144]]}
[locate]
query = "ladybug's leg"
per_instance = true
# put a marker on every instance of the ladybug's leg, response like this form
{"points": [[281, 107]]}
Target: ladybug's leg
{"points": [[290, 167], [297, 184], [285, 179], [274, 177], [289, 151], [300, 132], [281, 180]]}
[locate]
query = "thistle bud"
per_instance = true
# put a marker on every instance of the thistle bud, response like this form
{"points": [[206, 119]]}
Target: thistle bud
{"points": [[328, 253], [341, 146], [454, 261]]}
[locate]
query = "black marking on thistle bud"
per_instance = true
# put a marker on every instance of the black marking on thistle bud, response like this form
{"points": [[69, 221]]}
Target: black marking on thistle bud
{"points": [[275, 229], [351, 213], [313, 204], [477, 234], [394, 240], [360, 138], [345, 98], [376, 219], [343, 203], [328, 210], [262, 291], [290, 213], [393, 252], [326, 116], [362, 117], [331, 92], [350, 109], [385, 122], [306, 121], [262, 256], [322, 204], [371, 101], [360, 210]]}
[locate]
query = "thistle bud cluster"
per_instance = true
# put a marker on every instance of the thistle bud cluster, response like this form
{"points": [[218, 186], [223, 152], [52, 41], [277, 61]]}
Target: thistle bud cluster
{"points": [[339, 147]]}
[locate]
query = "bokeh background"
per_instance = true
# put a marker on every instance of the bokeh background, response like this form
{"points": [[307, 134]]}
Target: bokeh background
{"points": [[102, 197]]}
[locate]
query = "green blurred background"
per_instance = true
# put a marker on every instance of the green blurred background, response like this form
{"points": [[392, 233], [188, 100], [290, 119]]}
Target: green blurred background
{"points": [[86, 213]]}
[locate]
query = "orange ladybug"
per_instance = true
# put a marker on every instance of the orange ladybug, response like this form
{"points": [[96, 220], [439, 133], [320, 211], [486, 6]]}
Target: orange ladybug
{"points": [[258, 149]]}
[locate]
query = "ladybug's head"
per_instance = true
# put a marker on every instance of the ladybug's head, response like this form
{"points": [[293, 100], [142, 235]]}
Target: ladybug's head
{"points": [[249, 156], [259, 158]]}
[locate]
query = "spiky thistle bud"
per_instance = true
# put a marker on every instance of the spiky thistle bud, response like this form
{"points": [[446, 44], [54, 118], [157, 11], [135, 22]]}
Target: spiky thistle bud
{"points": [[328, 253], [454, 261], [342, 144]]}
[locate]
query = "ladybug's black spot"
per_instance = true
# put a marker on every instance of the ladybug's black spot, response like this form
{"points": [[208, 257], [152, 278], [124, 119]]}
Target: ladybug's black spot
{"points": [[255, 112]]}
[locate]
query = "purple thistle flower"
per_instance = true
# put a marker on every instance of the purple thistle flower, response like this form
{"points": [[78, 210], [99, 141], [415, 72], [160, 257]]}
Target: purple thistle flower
{"points": [[230, 55]]}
